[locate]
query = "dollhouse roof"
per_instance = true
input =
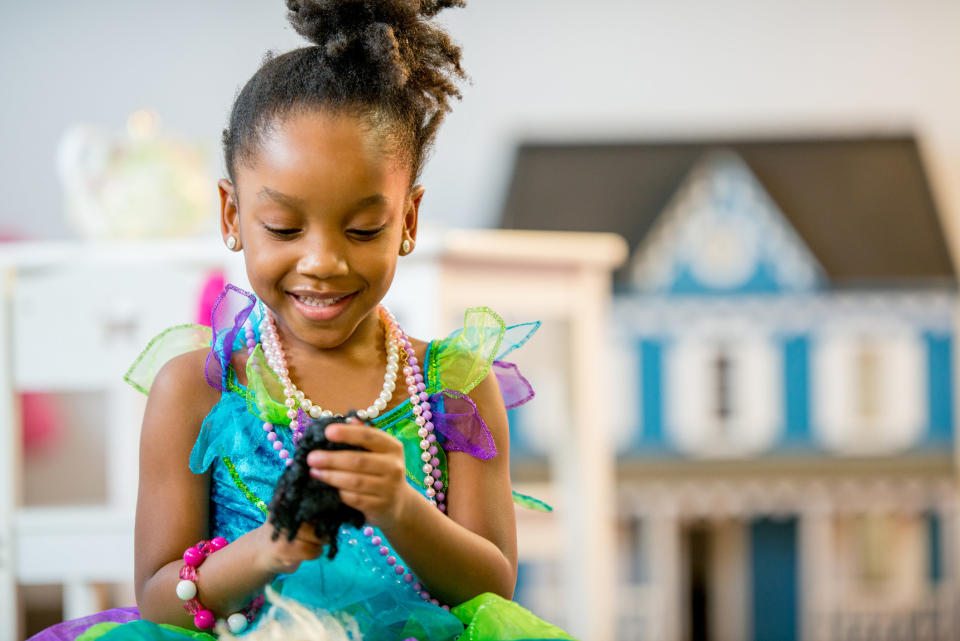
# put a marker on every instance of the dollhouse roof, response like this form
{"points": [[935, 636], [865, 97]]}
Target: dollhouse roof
{"points": [[863, 206]]}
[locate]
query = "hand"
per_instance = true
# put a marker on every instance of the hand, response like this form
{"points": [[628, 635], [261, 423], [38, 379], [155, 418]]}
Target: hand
{"points": [[372, 480], [284, 557]]}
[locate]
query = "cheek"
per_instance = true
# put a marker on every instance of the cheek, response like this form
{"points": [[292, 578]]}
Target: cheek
{"points": [[264, 265], [380, 266], [377, 265]]}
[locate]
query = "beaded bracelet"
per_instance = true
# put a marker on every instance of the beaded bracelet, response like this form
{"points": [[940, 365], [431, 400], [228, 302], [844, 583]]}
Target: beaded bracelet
{"points": [[187, 589]]}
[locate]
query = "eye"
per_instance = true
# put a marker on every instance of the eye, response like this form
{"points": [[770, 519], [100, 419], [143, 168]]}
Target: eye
{"points": [[281, 231], [365, 234]]}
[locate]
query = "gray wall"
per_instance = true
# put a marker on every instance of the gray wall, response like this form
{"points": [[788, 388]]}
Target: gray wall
{"points": [[541, 68]]}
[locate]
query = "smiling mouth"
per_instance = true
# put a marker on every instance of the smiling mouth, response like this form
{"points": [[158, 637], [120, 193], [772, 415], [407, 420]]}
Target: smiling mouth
{"points": [[320, 302]]}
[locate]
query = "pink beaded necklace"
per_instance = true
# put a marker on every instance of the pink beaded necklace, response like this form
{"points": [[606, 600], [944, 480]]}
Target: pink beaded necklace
{"points": [[296, 402]]}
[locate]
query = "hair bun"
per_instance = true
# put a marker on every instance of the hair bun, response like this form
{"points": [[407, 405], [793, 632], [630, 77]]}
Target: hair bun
{"points": [[321, 21], [382, 38], [360, 35], [314, 20]]}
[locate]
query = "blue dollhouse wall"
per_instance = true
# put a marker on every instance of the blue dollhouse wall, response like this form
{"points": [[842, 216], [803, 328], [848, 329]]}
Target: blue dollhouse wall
{"points": [[730, 340], [814, 273]]}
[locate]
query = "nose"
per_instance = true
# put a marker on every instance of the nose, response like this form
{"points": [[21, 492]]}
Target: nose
{"points": [[322, 257]]}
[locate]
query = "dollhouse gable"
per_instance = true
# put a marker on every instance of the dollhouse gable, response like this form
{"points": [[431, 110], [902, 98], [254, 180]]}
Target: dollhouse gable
{"points": [[721, 233]]}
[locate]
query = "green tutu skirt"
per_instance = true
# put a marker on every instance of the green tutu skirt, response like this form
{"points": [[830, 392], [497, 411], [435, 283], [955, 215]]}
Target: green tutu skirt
{"points": [[486, 617]]}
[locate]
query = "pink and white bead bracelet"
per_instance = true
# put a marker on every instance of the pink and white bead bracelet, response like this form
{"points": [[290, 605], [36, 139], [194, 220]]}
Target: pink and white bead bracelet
{"points": [[203, 618]]}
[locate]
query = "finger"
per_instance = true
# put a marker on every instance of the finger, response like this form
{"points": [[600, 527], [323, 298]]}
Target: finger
{"points": [[351, 481], [362, 502], [354, 461], [307, 544], [305, 541], [363, 436], [307, 535]]}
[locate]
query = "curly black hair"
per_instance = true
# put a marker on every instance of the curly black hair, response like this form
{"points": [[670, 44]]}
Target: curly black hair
{"points": [[299, 498], [382, 61]]}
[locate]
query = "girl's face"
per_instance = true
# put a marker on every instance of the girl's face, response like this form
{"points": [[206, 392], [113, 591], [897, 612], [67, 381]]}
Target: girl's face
{"points": [[321, 213]]}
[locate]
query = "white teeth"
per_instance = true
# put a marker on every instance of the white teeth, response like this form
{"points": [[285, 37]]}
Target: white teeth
{"points": [[319, 302]]}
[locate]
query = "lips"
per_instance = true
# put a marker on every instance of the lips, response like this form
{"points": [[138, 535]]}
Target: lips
{"points": [[320, 306]]}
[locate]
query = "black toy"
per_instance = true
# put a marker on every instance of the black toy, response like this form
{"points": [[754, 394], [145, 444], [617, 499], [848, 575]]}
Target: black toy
{"points": [[300, 498]]}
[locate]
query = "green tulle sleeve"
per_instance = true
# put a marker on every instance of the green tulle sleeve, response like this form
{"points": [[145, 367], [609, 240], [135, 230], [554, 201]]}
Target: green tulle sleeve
{"points": [[166, 345], [466, 357]]}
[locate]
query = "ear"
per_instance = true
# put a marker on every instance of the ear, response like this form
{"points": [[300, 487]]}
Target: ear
{"points": [[229, 214], [411, 214]]}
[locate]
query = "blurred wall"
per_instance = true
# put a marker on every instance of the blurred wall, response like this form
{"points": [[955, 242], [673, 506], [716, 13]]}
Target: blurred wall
{"points": [[542, 68]]}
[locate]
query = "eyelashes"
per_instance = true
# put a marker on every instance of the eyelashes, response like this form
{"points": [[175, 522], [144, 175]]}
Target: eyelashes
{"points": [[281, 231], [359, 234], [366, 234]]}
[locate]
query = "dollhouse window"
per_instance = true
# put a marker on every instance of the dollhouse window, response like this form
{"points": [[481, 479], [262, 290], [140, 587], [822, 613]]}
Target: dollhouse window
{"points": [[722, 393], [869, 388], [722, 390], [868, 383]]}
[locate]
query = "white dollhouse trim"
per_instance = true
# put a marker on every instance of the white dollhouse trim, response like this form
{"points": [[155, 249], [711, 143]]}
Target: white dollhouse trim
{"points": [[720, 226]]}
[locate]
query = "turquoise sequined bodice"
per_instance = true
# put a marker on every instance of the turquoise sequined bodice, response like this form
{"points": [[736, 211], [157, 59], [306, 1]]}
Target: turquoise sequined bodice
{"points": [[244, 468]]}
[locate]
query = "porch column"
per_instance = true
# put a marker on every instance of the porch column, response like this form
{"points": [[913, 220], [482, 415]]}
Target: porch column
{"points": [[816, 562], [665, 574]]}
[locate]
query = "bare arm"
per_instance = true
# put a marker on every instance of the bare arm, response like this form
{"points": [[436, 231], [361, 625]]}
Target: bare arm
{"points": [[172, 509]]}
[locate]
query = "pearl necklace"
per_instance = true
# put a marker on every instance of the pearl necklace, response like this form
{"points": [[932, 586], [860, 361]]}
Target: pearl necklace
{"points": [[296, 401], [295, 398]]}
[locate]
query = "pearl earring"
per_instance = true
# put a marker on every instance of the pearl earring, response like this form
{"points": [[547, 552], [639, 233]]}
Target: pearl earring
{"points": [[232, 243], [405, 246]]}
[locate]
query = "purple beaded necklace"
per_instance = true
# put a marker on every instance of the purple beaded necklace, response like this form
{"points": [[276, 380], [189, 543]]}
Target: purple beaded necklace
{"points": [[298, 407]]}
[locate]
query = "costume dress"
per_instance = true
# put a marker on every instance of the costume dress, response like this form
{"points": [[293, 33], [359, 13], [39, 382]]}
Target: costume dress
{"points": [[357, 585]]}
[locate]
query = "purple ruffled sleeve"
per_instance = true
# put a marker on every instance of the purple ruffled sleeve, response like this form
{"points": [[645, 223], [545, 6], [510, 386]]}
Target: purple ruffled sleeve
{"points": [[466, 358]]}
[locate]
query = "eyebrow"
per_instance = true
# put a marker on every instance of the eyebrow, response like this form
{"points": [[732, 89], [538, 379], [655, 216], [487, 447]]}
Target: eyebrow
{"points": [[293, 202], [279, 197]]}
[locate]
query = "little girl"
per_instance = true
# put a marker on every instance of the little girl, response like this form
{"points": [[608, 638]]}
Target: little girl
{"points": [[323, 151]]}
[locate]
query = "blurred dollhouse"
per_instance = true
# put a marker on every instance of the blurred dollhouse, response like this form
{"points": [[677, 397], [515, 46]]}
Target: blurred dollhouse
{"points": [[782, 365]]}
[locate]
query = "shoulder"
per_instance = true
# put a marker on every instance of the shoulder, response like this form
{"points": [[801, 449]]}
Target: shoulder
{"points": [[181, 390], [182, 372], [487, 395]]}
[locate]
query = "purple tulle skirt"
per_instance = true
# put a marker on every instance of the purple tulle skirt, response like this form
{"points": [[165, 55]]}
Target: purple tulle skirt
{"points": [[70, 630]]}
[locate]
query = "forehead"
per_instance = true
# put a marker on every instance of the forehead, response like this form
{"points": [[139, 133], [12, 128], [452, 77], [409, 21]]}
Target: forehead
{"points": [[316, 154]]}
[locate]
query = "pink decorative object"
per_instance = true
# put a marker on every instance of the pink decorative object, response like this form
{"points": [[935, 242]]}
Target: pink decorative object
{"points": [[208, 296], [193, 556], [203, 619], [41, 421]]}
